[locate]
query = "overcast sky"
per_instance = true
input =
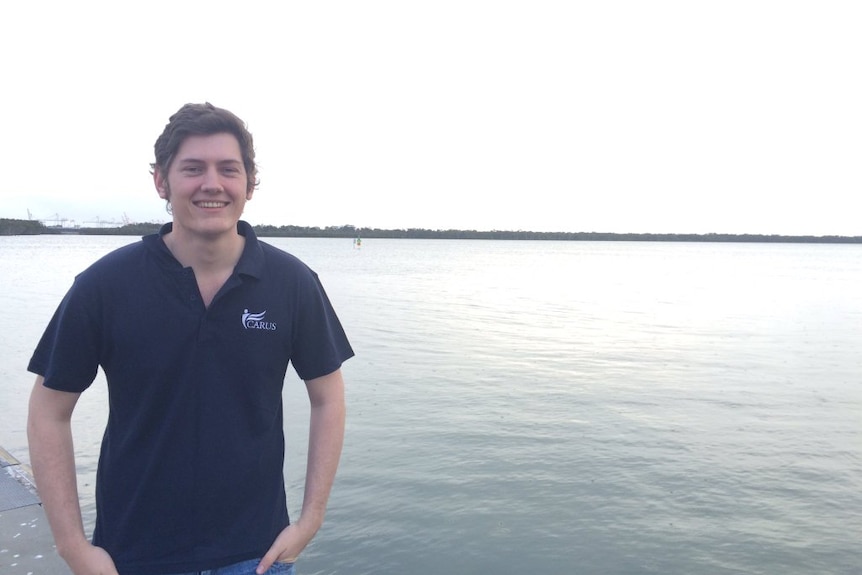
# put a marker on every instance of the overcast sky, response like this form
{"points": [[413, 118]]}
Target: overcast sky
{"points": [[621, 116]]}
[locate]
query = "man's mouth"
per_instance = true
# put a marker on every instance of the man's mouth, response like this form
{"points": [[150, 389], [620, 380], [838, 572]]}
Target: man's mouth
{"points": [[210, 204]]}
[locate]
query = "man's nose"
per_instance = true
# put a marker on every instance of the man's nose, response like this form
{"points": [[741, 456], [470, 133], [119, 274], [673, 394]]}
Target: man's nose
{"points": [[212, 179]]}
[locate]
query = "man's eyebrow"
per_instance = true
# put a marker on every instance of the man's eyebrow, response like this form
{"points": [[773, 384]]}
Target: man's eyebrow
{"points": [[199, 161]]}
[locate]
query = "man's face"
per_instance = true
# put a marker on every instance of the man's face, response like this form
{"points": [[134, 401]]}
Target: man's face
{"points": [[206, 185]]}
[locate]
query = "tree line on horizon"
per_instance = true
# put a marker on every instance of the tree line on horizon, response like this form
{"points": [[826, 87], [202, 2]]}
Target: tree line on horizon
{"points": [[33, 227]]}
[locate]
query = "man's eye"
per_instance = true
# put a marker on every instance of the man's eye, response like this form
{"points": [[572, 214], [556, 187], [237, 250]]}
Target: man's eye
{"points": [[191, 170]]}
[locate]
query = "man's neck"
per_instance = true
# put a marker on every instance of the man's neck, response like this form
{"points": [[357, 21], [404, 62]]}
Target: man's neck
{"points": [[205, 255]]}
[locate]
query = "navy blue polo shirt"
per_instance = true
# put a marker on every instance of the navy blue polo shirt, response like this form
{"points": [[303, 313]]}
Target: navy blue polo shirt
{"points": [[191, 466]]}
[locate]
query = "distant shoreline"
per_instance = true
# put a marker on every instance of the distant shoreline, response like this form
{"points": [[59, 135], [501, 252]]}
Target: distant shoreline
{"points": [[11, 227]]}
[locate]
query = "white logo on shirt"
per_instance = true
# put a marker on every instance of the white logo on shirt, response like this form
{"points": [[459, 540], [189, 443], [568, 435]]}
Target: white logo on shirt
{"points": [[255, 321]]}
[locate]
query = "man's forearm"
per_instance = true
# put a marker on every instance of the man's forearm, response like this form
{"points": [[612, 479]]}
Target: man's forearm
{"points": [[325, 440], [52, 457]]}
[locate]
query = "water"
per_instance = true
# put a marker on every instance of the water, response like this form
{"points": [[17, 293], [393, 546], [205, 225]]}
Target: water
{"points": [[547, 407]]}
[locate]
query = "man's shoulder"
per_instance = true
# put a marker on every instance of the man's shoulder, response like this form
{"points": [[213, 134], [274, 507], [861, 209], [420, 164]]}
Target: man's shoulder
{"points": [[280, 260], [123, 260]]}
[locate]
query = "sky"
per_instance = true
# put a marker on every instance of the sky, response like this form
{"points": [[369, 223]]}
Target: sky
{"points": [[625, 116]]}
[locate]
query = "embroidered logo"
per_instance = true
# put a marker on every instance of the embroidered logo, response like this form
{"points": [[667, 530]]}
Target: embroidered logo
{"points": [[256, 321]]}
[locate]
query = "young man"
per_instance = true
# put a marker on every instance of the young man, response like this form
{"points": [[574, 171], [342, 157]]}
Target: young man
{"points": [[194, 328]]}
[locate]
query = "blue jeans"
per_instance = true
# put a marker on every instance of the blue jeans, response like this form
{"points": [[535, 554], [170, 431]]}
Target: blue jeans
{"points": [[247, 568]]}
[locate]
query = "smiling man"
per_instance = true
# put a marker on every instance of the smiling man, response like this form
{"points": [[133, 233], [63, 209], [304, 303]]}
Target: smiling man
{"points": [[194, 329]]}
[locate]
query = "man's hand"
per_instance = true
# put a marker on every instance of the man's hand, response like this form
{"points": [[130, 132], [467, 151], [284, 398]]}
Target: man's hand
{"points": [[287, 547], [88, 559]]}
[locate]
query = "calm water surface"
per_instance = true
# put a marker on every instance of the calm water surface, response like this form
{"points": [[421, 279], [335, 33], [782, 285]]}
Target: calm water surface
{"points": [[545, 407]]}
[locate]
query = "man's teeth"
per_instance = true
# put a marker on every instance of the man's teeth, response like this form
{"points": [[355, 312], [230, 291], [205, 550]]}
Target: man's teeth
{"points": [[211, 204]]}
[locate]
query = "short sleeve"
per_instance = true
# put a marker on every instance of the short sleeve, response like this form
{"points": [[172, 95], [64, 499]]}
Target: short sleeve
{"points": [[319, 342], [67, 355]]}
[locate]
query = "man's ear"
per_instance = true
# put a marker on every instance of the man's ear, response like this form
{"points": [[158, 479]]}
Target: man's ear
{"points": [[161, 183]]}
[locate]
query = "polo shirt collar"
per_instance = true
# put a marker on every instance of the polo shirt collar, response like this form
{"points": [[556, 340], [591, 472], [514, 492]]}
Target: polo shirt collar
{"points": [[250, 262]]}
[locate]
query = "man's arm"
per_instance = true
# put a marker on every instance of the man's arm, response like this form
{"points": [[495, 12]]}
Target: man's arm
{"points": [[325, 438], [52, 456]]}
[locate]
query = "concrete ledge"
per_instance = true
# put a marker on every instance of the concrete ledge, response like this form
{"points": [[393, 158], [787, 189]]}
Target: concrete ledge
{"points": [[26, 544]]}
